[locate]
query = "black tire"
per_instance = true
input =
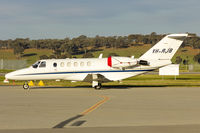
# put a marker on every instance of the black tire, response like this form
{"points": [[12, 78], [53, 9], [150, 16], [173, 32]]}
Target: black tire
{"points": [[98, 87], [26, 86]]}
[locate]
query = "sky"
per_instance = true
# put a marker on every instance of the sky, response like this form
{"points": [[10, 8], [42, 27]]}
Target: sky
{"points": [[41, 19]]}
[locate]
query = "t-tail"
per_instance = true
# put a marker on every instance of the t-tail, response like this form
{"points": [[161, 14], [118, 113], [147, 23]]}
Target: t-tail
{"points": [[165, 48]]}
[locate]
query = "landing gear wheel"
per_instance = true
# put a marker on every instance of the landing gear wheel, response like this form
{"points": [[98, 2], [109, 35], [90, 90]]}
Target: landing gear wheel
{"points": [[98, 87], [26, 86]]}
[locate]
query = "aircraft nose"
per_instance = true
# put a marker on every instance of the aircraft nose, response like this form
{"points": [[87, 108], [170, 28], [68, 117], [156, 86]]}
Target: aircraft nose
{"points": [[9, 76]]}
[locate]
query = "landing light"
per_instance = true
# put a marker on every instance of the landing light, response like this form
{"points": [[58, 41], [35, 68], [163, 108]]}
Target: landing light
{"points": [[6, 81]]}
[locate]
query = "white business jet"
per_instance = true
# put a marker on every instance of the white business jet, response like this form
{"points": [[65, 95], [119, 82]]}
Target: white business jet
{"points": [[101, 70]]}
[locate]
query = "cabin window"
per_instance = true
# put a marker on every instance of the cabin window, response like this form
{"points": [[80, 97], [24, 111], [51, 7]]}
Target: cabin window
{"points": [[75, 64], [43, 64], [82, 64], [68, 64], [88, 63], [54, 64], [62, 64], [35, 65]]}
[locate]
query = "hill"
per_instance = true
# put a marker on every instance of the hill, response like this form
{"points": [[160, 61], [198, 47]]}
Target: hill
{"points": [[32, 55]]}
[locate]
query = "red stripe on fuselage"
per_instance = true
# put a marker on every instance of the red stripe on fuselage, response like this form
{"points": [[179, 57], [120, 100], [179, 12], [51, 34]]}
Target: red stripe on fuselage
{"points": [[110, 61]]}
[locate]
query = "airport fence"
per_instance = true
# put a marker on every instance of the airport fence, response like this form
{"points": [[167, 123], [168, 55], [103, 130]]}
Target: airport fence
{"points": [[12, 64], [190, 68]]}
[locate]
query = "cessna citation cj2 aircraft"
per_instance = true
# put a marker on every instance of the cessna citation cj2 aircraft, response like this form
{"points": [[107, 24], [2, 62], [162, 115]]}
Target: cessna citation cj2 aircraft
{"points": [[100, 70]]}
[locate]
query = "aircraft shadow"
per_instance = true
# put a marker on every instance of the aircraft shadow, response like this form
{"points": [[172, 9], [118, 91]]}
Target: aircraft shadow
{"points": [[129, 86], [104, 87], [58, 87], [65, 122]]}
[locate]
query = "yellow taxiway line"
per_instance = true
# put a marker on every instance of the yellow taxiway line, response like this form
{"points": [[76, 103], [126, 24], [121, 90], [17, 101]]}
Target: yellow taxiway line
{"points": [[92, 108]]}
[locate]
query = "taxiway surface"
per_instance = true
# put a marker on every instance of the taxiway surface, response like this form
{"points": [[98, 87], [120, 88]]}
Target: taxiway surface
{"points": [[127, 109]]}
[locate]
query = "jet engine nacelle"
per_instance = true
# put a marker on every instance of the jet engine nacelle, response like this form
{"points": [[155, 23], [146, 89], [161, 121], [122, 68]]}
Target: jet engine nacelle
{"points": [[121, 62]]}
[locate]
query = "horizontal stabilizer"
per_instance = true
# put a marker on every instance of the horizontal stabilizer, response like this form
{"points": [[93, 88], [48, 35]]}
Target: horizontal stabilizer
{"points": [[178, 36]]}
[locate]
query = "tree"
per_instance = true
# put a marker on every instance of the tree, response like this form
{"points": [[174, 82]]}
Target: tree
{"points": [[57, 53], [18, 49], [43, 57], [63, 56], [199, 60], [57, 49], [185, 62], [197, 57], [178, 60], [52, 57], [83, 44]]}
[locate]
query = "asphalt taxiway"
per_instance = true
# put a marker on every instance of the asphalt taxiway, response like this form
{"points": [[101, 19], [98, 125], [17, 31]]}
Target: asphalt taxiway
{"points": [[63, 109]]}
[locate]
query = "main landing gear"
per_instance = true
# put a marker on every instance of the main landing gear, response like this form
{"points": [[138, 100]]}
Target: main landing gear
{"points": [[26, 86], [96, 85]]}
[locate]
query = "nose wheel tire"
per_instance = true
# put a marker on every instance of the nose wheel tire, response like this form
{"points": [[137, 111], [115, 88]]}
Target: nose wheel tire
{"points": [[26, 86]]}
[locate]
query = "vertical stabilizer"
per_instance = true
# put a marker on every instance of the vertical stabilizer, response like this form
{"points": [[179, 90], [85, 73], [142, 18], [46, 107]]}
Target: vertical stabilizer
{"points": [[165, 48]]}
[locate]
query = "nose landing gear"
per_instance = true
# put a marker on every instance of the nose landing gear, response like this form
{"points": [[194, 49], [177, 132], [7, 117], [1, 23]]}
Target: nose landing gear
{"points": [[26, 86], [96, 85]]}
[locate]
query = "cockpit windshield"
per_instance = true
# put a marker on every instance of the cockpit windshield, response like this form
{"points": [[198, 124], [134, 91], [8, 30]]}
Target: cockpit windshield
{"points": [[36, 64]]}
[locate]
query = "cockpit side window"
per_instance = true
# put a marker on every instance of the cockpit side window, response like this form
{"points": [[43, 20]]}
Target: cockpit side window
{"points": [[43, 64], [35, 65]]}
